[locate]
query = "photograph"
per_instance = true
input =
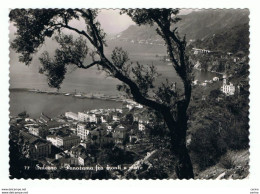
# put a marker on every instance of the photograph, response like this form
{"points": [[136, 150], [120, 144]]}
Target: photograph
{"points": [[158, 94]]}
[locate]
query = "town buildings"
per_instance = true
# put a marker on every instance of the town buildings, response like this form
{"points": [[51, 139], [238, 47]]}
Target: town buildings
{"points": [[119, 134], [76, 151], [71, 115], [34, 147], [82, 131], [67, 141], [37, 131], [63, 141], [87, 117], [71, 141]]}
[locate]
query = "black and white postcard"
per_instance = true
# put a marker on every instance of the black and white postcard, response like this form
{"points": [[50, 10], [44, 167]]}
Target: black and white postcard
{"points": [[129, 94], [162, 95]]}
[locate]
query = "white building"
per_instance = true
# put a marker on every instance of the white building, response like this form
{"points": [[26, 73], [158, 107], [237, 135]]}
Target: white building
{"points": [[215, 79], [71, 115], [141, 127], [116, 118], [197, 51], [37, 131], [195, 82], [93, 118], [82, 131], [228, 89], [82, 160], [29, 120], [130, 106], [52, 139], [119, 110], [67, 141], [87, 117], [139, 106], [82, 117], [103, 119]]}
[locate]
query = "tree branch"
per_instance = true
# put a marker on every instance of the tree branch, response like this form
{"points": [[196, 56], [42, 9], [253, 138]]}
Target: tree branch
{"points": [[89, 65], [82, 32], [96, 31], [180, 68], [168, 41], [137, 95]]}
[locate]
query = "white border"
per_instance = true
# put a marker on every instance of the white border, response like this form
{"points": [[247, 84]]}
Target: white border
{"points": [[132, 186]]}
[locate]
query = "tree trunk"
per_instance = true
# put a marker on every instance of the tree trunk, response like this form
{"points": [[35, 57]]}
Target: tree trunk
{"points": [[183, 165]]}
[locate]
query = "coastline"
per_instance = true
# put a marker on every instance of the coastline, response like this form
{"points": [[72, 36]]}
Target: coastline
{"points": [[199, 69], [80, 95]]}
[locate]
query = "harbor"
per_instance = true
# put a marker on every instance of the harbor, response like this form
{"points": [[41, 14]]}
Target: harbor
{"points": [[82, 95]]}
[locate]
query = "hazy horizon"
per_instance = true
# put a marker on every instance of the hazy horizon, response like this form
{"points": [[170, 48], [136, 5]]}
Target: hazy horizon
{"points": [[111, 21]]}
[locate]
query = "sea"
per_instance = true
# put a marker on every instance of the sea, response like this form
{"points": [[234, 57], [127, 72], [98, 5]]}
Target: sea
{"points": [[90, 81]]}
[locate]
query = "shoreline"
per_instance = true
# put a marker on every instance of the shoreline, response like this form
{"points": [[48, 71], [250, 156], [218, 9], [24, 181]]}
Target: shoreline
{"points": [[80, 95], [219, 73]]}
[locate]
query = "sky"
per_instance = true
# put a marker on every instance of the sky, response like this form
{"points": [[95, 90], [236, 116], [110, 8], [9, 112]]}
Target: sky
{"points": [[111, 21]]}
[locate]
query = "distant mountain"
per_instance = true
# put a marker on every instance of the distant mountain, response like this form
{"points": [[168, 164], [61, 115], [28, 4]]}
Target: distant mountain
{"points": [[196, 25], [138, 33]]}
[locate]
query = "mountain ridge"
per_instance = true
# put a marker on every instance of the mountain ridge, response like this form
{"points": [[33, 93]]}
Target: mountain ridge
{"points": [[196, 25]]}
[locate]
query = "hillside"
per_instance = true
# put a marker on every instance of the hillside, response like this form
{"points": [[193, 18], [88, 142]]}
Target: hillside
{"points": [[233, 165], [196, 25], [203, 24], [230, 40], [135, 32]]}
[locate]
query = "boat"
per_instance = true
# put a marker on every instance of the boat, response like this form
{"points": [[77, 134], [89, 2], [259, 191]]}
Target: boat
{"points": [[33, 90], [79, 96]]}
